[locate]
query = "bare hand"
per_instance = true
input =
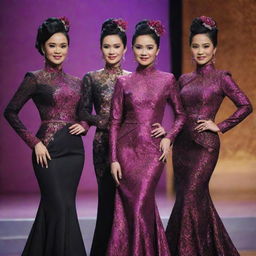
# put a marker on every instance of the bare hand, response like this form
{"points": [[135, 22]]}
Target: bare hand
{"points": [[205, 125], [116, 172], [76, 129], [158, 131], [165, 148], [42, 154]]}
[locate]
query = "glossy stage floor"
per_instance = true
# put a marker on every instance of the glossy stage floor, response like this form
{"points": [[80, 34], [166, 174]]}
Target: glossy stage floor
{"points": [[17, 213]]}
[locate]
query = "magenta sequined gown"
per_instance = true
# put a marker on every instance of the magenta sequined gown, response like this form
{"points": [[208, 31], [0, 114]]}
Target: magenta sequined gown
{"points": [[194, 228], [57, 97], [139, 100]]}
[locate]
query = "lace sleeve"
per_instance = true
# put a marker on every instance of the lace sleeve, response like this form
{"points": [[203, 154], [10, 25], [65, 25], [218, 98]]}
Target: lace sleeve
{"points": [[22, 95]]}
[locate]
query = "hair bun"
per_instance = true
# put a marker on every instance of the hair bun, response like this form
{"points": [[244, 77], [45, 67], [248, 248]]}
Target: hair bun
{"points": [[48, 28], [113, 24], [204, 25], [114, 27], [154, 25], [202, 22]]}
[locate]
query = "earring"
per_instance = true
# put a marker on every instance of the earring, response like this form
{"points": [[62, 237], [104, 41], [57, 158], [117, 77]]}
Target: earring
{"points": [[123, 57], [213, 59], [193, 60], [156, 60]]}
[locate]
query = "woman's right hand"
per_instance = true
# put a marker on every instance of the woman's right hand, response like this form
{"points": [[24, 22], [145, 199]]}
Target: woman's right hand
{"points": [[42, 154], [116, 172]]}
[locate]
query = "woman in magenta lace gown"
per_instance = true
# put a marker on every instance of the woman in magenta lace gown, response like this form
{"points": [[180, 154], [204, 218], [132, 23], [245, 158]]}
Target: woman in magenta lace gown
{"points": [[136, 159], [58, 153], [194, 228]]}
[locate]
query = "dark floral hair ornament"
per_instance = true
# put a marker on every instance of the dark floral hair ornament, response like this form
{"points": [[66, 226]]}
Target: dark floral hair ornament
{"points": [[121, 24], [65, 22], [208, 22], [157, 26]]}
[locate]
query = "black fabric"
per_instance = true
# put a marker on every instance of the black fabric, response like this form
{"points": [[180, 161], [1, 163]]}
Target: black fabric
{"points": [[106, 199], [175, 22], [56, 230]]}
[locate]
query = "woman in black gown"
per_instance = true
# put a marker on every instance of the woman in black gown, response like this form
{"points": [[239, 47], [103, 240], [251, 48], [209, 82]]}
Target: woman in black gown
{"points": [[98, 87], [58, 153]]}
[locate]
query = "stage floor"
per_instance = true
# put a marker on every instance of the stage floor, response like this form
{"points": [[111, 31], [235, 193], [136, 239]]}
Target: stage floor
{"points": [[14, 206], [17, 213]]}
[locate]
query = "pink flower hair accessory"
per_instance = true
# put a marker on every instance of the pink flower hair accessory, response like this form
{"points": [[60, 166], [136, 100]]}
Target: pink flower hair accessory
{"points": [[157, 26], [208, 22], [65, 22], [121, 24]]}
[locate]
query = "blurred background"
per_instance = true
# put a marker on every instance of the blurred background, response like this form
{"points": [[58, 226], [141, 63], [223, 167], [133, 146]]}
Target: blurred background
{"points": [[233, 182]]}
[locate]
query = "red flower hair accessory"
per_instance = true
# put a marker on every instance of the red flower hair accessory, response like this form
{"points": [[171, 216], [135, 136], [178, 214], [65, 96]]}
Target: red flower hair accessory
{"points": [[208, 22], [65, 22], [121, 24], [157, 26]]}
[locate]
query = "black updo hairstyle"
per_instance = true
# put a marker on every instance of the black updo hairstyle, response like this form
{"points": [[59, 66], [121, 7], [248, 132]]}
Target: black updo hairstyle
{"points": [[198, 26], [143, 28], [110, 27], [48, 28]]}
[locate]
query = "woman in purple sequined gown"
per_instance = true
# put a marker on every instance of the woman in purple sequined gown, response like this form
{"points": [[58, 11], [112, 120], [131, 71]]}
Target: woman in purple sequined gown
{"points": [[58, 153], [138, 102], [194, 228]]}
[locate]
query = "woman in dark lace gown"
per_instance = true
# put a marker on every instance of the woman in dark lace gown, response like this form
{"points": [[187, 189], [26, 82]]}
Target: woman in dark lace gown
{"points": [[98, 88], [194, 228], [137, 158], [58, 153]]}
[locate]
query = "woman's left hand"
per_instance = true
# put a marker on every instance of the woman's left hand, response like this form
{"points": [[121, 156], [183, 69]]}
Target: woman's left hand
{"points": [[205, 125], [158, 131], [76, 129], [165, 148]]}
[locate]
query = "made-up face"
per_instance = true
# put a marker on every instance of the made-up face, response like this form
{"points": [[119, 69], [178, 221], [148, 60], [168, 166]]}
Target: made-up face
{"points": [[145, 50], [202, 49], [112, 50], [55, 49]]}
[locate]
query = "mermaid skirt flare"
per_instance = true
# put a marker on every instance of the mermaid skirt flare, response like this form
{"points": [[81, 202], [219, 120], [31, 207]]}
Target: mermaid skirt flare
{"points": [[56, 230], [137, 228], [195, 228]]}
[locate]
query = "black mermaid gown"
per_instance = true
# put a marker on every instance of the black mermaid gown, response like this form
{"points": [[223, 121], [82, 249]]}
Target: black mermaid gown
{"points": [[56, 230], [98, 88]]}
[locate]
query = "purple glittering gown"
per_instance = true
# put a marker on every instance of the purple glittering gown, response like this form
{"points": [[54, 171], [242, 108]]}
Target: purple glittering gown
{"points": [[194, 228], [57, 97], [138, 102]]}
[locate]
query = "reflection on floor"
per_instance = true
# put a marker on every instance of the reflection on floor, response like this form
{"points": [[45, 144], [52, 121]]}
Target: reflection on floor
{"points": [[17, 213]]}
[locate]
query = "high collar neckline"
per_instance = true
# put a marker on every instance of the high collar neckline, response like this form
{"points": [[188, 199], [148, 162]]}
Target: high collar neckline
{"points": [[112, 69], [49, 67], [145, 70], [205, 69]]}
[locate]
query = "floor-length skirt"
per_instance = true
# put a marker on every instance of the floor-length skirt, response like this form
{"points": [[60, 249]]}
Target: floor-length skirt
{"points": [[56, 230], [195, 228], [137, 228], [106, 194]]}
